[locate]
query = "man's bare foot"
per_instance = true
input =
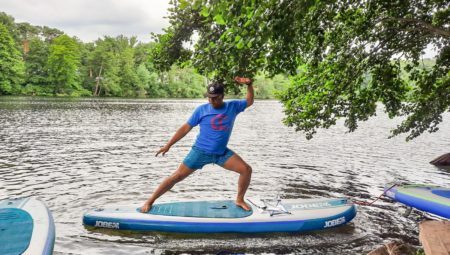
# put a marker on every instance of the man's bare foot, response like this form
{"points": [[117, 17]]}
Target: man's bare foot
{"points": [[243, 205], [146, 207]]}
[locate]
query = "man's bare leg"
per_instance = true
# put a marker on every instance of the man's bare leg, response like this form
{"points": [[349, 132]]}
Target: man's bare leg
{"points": [[180, 174], [238, 165]]}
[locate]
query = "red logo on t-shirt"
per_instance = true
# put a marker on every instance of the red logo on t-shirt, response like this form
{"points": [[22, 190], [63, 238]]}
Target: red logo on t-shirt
{"points": [[216, 122]]}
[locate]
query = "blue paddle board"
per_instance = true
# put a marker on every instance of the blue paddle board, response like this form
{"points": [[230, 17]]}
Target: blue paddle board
{"points": [[220, 216], [26, 227], [431, 199]]}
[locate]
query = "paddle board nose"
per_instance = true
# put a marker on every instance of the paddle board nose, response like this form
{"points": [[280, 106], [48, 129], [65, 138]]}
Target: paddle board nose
{"points": [[427, 198], [26, 227]]}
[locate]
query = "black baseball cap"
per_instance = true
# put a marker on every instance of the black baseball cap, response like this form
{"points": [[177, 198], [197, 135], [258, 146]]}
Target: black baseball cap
{"points": [[214, 90]]}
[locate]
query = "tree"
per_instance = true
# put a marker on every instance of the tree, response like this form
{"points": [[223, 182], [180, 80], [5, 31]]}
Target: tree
{"points": [[36, 72], [127, 72], [116, 58], [63, 65], [266, 88], [26, 31], [87, 75], [104, 58], [11, 64], [142, 52], [9, 23], [50, 33], [144, 79], [184, 83], [343, 56]]}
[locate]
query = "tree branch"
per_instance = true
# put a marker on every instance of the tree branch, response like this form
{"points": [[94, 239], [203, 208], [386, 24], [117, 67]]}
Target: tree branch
{"points": [[426, 26]]}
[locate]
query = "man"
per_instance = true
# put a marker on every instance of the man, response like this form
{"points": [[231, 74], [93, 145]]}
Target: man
{"points": [[216, 120]]}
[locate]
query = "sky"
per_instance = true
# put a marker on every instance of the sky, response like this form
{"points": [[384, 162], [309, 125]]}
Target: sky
{"points": [[92, 19]]}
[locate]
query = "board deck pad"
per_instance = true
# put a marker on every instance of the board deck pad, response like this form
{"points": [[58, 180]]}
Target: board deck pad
{"points": [[201, 209], [16, 227]]}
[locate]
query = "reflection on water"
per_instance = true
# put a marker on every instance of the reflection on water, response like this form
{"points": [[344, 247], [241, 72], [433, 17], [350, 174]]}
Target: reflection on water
{"points": [[76, 154]]}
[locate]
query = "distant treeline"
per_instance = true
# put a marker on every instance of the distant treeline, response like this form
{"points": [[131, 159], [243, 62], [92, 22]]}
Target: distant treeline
{"points": [[44, 61]]}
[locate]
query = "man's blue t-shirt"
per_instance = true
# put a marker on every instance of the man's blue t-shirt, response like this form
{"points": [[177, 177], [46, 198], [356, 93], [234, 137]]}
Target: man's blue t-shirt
{"points": [[215, 125]]}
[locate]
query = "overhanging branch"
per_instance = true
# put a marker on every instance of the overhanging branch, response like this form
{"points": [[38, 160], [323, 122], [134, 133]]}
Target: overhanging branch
{"points": [[424, 25]]}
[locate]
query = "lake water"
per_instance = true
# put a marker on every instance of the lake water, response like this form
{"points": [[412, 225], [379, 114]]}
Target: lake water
{"points": [[78, 154]]}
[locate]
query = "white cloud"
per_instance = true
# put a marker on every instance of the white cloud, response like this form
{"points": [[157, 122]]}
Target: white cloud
{"points": [[89, 20]]}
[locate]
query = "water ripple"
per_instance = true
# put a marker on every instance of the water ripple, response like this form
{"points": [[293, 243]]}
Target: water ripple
{"points": [[77, 154]]}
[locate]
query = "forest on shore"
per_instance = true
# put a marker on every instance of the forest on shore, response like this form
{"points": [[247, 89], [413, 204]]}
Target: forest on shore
{"points": [[44, 61]]}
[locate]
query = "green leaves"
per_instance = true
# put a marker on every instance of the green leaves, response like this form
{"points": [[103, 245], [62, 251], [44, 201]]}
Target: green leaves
{"points": [[63, 64], [36, 64], [348, 49], [205, 11], [183, 4], [240, 44], [11, 64], [219, 19]]}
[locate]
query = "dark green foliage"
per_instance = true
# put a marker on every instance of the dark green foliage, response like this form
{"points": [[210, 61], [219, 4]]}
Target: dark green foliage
{"points": [[26, 31], [8, 22], [113, 62], [11, 64], [344, 57], [22, 32], [130, 82], [50, 33], [168, 51], [102, 63], [141, 52], [36, 71], [63, 64], [184, 83]]}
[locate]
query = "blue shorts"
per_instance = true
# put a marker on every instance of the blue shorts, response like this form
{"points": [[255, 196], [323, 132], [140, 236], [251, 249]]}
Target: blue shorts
{"points": [[197, 158]]}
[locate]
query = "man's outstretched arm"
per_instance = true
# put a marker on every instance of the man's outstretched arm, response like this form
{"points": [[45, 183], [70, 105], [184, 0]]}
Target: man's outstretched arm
{"points": [[181, 132]]}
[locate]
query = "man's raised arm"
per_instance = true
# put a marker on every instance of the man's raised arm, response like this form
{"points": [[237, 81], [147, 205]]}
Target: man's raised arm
{"points": [[250, 95], [250, 91]]}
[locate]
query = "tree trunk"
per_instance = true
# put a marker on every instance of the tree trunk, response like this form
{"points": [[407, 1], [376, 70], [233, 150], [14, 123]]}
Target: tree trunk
{"points": [[97, 86]]}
